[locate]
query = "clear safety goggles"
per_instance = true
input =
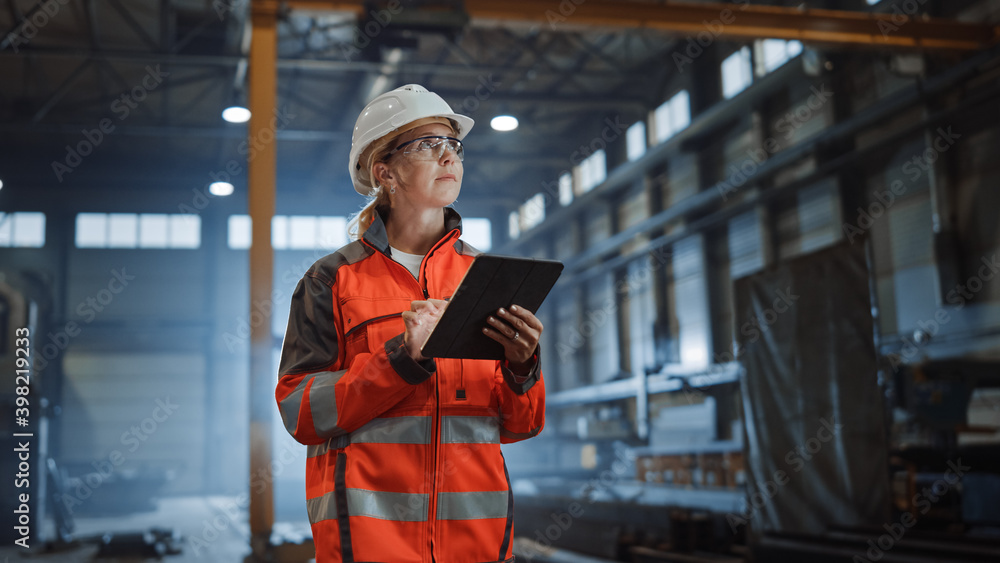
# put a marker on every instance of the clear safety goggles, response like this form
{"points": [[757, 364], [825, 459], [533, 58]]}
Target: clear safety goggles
{"points": [[430, 148]]}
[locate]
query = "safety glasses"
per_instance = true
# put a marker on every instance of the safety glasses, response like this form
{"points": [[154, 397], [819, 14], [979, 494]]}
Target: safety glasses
{"points": [[430, 148]]}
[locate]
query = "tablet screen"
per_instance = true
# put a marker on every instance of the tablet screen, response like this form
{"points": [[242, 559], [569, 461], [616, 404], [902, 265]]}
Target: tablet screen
{"points": [[492, 281]]}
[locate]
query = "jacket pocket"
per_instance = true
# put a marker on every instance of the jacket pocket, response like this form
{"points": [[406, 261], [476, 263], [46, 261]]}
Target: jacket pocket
{"points": [[381, 329], [356, 342]]}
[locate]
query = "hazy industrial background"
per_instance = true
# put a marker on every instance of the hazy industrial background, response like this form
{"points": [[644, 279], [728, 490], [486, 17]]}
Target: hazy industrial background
{"points": [[781, 256]]}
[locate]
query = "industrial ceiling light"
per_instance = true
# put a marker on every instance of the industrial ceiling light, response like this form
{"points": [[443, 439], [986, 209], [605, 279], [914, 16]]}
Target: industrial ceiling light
{"points": [[220, 188], [1, 184], [236, 114], [504, 123]]}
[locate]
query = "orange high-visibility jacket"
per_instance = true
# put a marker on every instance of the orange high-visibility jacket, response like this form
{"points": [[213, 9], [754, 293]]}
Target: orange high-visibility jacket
{"points": [[404, 461]]}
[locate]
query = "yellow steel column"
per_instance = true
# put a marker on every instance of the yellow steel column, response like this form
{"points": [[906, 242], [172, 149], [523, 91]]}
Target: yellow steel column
{"points": [[261, 180]]}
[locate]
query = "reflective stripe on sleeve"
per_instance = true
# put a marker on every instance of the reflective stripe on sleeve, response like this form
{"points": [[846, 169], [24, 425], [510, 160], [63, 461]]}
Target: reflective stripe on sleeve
{"points": [[395, 430], [323, 402], [472, 506], [398, 507], [470, 430]]}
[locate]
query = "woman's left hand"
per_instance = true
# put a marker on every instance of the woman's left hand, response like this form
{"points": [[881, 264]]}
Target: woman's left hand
{"points": [[518, 331]]}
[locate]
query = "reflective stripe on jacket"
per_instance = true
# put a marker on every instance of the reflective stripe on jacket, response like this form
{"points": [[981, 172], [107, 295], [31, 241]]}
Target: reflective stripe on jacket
{"points": [[404, 461]]}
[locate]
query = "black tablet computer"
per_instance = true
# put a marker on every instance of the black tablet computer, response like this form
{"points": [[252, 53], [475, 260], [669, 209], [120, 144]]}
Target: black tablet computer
{"points": [[491, 282]]}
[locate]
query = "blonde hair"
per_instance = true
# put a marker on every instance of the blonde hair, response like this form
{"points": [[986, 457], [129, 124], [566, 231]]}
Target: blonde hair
{"points": [[377, 152]]}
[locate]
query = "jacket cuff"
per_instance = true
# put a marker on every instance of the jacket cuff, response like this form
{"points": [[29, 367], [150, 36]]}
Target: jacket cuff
{"points": [[520, 384], [412, 371]]}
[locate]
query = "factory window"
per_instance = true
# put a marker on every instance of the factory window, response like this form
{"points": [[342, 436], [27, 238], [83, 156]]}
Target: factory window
{"points": [[143, 230], [737, 73], [532, 212], [591, 172], [22, 229], [239, 232], [770, 54], [745, 244], [672, 116], [513, 225], [566, 188], [292, 232], [635, 139], [123, 230], [690, 298], [154, 231], [478, 232]]}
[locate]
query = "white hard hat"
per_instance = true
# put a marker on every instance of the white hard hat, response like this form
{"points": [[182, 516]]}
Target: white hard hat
{"points": [[393, 110]]}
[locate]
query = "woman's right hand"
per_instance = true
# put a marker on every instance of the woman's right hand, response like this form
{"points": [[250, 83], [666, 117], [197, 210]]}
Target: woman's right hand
{"points": [[419, 322]]}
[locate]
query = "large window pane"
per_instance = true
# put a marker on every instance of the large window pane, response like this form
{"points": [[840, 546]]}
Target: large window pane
{"points": [[332, 232], [478, 233], [239, 232], [185, 231], [123, 230], [737, 73], [153, 230], [302, 232]]}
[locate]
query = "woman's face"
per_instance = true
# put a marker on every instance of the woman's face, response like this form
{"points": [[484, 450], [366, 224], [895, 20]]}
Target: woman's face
{"points": [[425, 184]]}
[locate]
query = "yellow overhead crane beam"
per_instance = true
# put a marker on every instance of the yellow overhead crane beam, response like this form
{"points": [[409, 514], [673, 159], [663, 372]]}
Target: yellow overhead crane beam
{"points": [[733, 20]]}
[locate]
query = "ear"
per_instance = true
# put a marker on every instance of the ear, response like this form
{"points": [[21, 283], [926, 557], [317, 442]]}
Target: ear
{"points": [[382, 173]]}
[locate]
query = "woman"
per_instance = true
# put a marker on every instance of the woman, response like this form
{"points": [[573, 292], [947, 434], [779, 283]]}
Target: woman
{"points": [[404, 461]]}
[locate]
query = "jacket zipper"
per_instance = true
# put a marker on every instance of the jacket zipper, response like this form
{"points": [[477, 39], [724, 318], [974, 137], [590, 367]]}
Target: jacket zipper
{"points": [[432, 502], [423, 270], [432, 505]]}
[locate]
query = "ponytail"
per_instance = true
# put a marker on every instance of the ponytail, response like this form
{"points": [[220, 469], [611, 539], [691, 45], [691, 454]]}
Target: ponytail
{"points": [[360, 221]]}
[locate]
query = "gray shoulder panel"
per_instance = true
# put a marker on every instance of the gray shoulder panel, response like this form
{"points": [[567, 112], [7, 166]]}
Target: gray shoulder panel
{"points": [[466, 249], [326, 267]]}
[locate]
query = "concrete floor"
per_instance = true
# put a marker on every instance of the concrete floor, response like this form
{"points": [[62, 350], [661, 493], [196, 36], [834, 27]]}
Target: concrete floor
{"points": [[212, 529]]}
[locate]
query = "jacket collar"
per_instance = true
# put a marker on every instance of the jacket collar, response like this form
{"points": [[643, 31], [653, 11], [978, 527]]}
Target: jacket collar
{"points": [[377, 237]]}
